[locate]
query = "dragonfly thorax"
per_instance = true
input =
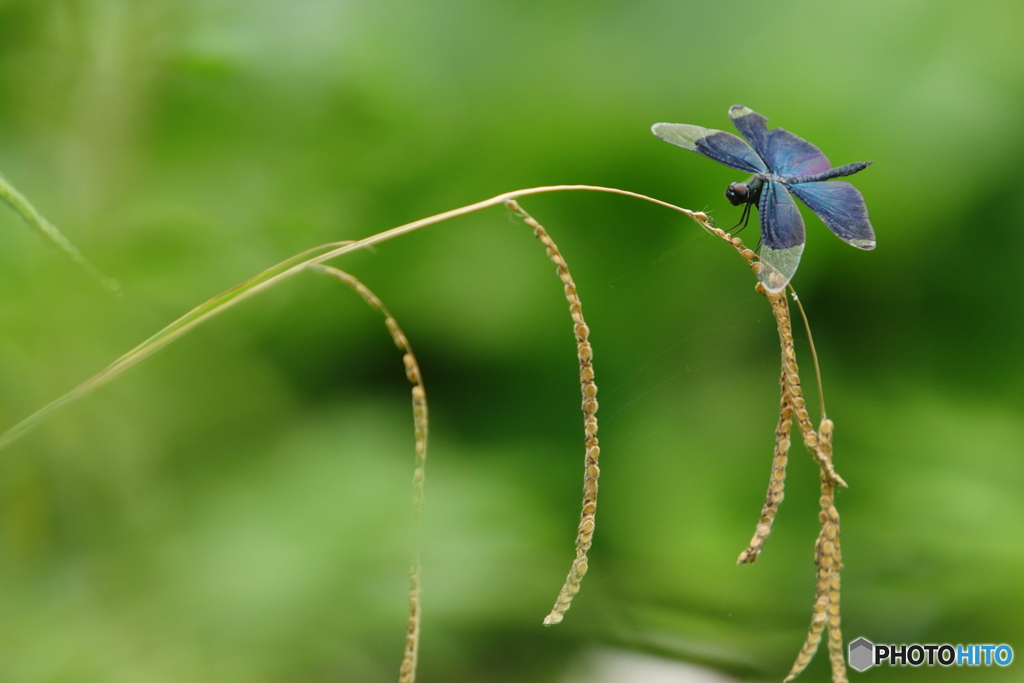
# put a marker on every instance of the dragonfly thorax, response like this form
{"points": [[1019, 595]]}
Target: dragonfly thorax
{"points": [[745, 193]]}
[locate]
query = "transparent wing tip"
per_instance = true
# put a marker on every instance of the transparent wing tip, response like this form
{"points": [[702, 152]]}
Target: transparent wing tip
{"points": [[772, 279], [660, 129], [681, 134], [778, 266], [862, 244]]}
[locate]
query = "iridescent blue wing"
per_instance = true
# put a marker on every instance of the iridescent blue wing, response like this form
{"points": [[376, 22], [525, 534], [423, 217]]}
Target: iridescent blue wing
{"points": [[841, 207], [753, 127], [725, 148], [782, 236], [788, 154]]}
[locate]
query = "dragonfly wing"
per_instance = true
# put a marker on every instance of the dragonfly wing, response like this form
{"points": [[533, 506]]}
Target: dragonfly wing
{"points": [[841, 207], [752, 126], [725, 148], [782, 237], [788, 154]]}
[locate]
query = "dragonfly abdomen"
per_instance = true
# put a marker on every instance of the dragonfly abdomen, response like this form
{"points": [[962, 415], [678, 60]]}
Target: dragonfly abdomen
{"points": [[838, 172]]}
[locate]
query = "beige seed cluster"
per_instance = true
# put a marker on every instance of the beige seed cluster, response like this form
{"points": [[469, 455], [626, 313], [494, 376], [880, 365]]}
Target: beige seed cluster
{"points": [[407, 671], [591, 471], [791, 375], [829, 561], [777, 483]]}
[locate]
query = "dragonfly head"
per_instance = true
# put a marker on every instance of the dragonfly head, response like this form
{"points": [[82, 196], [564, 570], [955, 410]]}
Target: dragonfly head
{"points": [[745, 193], [737, 194]]}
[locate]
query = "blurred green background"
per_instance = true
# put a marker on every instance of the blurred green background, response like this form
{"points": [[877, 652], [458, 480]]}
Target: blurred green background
{"points": [[238, 509]]}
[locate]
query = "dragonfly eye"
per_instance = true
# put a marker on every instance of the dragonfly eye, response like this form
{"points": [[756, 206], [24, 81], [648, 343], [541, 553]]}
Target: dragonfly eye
{"points": [[737, 194]]}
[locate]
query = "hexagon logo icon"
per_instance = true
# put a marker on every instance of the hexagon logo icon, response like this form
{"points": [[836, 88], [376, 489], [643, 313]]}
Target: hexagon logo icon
{"points": [[862, 654]]}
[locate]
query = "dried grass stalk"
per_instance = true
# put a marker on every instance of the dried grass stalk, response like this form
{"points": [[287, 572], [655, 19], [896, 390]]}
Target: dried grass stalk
{"points": [[591, 471], [791, 375], [777, 482], [829, 548], [829, 561], [827, 553], [407, 671]]}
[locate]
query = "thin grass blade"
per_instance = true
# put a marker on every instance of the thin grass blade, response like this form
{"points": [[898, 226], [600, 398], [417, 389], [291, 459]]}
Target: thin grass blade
{"points": [[23, 207]]}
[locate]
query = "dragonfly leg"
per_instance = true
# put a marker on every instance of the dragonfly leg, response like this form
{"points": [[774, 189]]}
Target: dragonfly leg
{"points": [[744, 220]]}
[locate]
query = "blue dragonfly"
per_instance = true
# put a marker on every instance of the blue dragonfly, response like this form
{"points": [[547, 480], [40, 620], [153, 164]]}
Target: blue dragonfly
{"points": [[782, 165]]}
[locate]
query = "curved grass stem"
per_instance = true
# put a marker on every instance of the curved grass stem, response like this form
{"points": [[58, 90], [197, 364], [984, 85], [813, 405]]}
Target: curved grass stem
{"points": [[275, 274], [814, 351]]}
